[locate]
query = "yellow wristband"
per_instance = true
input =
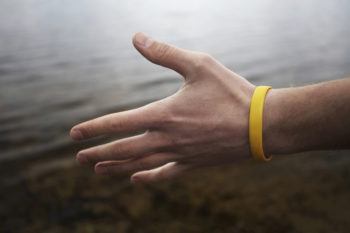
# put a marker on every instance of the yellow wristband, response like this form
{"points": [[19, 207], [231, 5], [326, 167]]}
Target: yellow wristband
{"points": [[256, 123]]}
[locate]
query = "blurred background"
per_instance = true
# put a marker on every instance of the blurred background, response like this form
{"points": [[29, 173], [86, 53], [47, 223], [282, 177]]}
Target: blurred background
{"points": [[63, 62]]}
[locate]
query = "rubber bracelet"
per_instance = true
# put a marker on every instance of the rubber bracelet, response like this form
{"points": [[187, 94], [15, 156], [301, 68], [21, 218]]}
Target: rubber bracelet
{"points": [[256, 123]]}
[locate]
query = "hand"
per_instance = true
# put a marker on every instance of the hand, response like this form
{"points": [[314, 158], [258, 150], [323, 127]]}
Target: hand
{"points": [[205, 123]]}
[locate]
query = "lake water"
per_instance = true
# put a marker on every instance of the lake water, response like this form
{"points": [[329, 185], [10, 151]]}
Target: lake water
{"points": [[64, 61]]}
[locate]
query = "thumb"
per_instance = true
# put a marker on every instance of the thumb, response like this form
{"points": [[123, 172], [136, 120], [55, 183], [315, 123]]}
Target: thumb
{"points": [[163, 54]]}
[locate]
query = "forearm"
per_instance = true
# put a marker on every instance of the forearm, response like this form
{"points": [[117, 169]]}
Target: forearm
{"points": [[314, 117]]}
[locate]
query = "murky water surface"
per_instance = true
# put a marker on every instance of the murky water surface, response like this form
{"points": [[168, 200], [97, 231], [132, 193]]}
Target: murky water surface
{"points": [[64, 61]]}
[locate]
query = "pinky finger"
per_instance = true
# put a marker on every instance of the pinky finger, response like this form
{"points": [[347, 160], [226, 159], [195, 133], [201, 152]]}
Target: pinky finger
{"points": [[165, 172]]}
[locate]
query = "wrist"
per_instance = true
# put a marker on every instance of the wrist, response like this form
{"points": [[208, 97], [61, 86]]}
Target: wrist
{"points": [[277, 133]]}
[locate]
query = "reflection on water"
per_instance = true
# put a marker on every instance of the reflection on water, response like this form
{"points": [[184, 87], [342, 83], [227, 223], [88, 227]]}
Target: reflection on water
{"points": [[64, 61]]}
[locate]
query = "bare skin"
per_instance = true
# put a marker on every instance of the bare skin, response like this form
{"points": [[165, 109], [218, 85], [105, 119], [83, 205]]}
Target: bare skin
{"points": [[205, 123]]}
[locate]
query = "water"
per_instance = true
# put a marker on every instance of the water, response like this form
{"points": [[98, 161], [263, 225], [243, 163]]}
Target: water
{"points": [[64, 61]]}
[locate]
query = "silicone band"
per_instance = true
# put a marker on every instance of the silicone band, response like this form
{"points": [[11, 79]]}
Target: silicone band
{"points": [[256, 123]]}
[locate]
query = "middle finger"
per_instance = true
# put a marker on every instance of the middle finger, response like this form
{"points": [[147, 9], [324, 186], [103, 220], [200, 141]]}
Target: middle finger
{"points": [[125, 148]]}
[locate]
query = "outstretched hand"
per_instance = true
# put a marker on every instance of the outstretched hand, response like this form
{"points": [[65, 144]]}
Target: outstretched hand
{"points": [[204, 123]]}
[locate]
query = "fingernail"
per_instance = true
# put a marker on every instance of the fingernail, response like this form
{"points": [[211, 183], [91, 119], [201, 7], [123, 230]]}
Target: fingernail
{"points": [[76, 134], [143, 40], [81, 158]]}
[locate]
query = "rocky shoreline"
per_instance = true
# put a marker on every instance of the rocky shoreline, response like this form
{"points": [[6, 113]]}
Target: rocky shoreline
{"points": [[302, 193]]}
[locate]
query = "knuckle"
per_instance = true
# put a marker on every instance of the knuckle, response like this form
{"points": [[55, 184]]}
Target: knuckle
{"points": [[171, 142], [175, 142], [163, 51], [152, 108], [166, 119], [202, 61], [162, 139], [166, 115], [114, 125], [165, 135], [142, 165], [154, 114], [155, 136], [118, 151]]}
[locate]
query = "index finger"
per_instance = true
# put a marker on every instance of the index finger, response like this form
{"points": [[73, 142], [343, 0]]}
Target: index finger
{"points": [[133, 120]]}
